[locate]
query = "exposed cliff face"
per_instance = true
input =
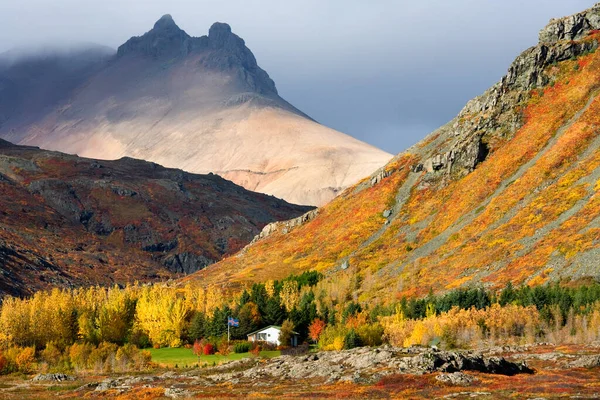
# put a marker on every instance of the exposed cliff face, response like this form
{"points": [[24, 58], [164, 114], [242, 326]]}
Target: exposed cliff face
{"points": [[201, 104], [508, 191], [68, 221], [496, 114]]}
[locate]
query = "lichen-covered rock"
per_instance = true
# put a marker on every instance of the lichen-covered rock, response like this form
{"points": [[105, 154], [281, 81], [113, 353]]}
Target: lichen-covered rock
{"points": [[58, 377], [571, 27], [456, 378]]}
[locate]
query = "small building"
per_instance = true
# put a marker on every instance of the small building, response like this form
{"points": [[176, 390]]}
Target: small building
{"points": [[270, 334]]}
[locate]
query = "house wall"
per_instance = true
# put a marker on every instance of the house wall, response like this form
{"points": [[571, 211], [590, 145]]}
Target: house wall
{"points": [[272, 335]]}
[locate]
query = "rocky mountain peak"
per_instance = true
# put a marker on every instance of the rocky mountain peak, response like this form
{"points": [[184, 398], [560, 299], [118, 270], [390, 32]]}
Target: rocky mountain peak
{"points": [[164, 39], [165, 22]]}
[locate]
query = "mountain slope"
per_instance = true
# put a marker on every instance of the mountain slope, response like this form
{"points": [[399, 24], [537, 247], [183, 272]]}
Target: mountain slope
{"points": [[66, 220], [508, 191], [199, 104]]}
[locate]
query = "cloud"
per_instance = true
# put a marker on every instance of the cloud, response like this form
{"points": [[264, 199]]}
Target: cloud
{"points": [[387, 71]]}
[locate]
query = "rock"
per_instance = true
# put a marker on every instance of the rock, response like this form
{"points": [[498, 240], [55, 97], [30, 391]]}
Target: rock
{"points": [[379, 176], [463, 361], [456, 378], [572, 27], [58, 377], [186, 262], [177, 393], [592, 361], [285, 226]]}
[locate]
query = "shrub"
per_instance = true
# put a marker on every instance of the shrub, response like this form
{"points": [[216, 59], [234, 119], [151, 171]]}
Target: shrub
{"points": [[130, 357], [198, 348], [102, 358], [370, 334], [208, 349], [255, 351], [79, 355], [352, 340], [3, 364], [242, 347], [51, 354], [223, 347], [26, 359]]}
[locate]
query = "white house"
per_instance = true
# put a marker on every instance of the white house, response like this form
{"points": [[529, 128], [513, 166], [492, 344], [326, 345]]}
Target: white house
{"points": [[270, 334]]}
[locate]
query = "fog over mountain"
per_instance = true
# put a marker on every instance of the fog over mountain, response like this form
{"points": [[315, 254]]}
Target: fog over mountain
{"points": [[387, 72]]}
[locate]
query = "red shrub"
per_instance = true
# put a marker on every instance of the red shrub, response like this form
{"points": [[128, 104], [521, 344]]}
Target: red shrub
{"points": [[208, 349]]}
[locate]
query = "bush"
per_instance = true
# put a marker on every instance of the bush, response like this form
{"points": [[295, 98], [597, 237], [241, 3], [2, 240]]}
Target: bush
{"points": [[352, 340], [208, 349], [223, 347], [130, 357], [26, 359], [51, 354], [255, 351], [102, 358], [370, 334], [3, 364], [79, 355], [242, 347]]}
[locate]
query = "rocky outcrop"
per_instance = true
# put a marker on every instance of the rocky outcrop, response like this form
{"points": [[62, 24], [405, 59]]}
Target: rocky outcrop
{"points": [[572, 27], [495, 114], [186, 262], [285, 226], [58, 377], [368, 365]]}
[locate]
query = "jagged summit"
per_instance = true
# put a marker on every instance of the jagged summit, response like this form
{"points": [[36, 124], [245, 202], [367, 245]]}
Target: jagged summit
{"points": [[164, 22]]}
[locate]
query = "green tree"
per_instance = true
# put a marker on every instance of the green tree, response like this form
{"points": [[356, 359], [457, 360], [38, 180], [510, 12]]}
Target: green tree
{"points": [[286, 333]]}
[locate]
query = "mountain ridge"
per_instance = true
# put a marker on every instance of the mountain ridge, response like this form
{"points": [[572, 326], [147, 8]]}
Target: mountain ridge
{"points": [[68, 221]]}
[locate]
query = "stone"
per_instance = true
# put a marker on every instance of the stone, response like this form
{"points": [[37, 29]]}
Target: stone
{"points": [[591, 361], [58, 377], [456, 378]]}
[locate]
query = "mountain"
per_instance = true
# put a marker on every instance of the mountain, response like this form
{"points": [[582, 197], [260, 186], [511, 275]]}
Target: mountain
{"points": [[201, 104], [66, 220], [508, 191]]}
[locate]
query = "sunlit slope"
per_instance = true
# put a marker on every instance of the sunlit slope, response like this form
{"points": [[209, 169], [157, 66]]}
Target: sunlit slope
{"points": [[505, 192]]}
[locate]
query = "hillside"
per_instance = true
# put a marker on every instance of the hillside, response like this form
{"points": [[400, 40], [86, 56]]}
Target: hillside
{"points": [[201, 104], [67, 221], [505, 192]]}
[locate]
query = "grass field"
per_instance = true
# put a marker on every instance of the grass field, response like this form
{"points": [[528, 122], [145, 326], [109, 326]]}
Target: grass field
{"points": [[186, 357]]}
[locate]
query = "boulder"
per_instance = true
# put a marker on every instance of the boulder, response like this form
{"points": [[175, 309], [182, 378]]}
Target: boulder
{"points": [[456, 378]]}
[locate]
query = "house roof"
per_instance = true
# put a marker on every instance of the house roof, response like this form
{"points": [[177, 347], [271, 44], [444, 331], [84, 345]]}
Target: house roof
{"points": [[267, 327]]}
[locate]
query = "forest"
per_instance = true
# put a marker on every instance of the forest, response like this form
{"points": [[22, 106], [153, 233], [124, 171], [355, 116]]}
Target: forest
{"points": [[103, 329]]}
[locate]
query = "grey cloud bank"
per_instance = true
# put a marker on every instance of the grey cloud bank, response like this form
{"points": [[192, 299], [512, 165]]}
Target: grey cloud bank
{"points": [[387, 72]]}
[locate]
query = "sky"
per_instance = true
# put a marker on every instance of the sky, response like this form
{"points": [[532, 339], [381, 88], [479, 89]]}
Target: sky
{"points": [[384, 71]]}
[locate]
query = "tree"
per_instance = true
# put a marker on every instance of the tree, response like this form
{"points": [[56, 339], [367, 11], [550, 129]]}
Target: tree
{"points": [[250, 320], [290, 295], [198, 349], [198, 326], [286, 333], [315, 329], [274, 314]]}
